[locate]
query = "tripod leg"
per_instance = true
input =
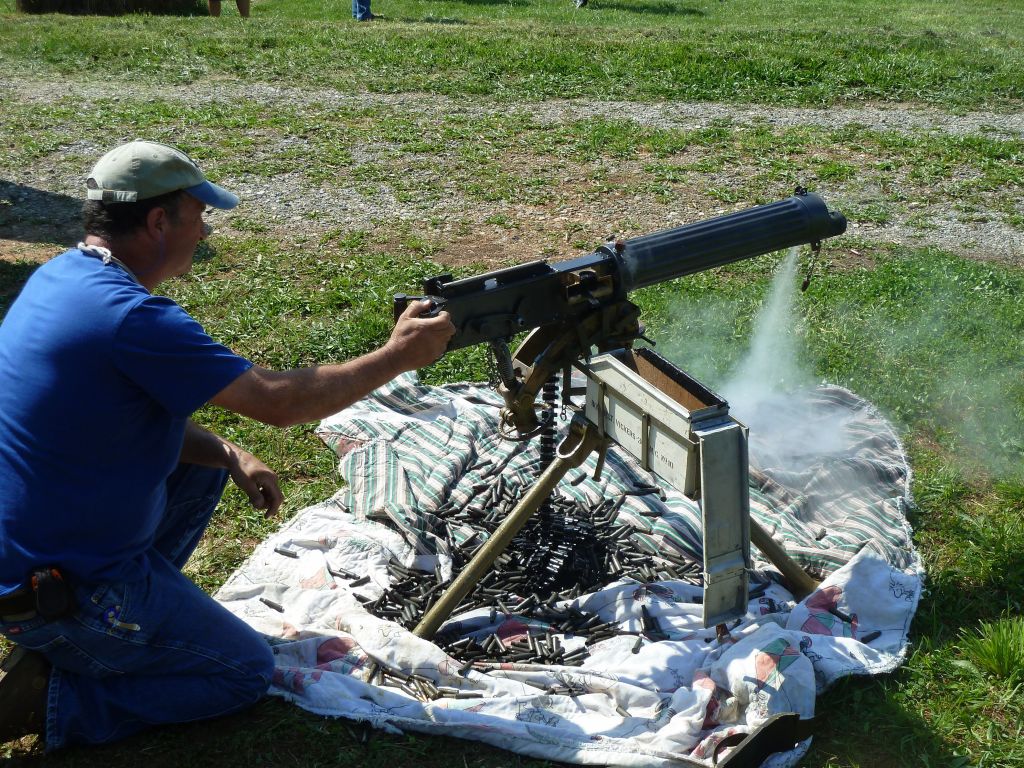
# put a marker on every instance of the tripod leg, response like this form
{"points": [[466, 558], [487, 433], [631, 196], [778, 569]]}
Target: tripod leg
{"points": [[583, 440], [800, 584]]}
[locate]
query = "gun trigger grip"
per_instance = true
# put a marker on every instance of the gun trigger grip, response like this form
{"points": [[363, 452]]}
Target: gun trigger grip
{"points": [[400, 302], [437, 305]]}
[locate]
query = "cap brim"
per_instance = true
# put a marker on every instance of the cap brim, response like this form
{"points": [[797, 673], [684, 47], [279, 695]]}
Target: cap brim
{"points": [[211, 194]]}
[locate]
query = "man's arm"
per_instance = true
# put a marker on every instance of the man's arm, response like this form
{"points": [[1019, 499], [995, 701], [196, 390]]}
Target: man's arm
{"points": [[284, 398], [256, 479]]}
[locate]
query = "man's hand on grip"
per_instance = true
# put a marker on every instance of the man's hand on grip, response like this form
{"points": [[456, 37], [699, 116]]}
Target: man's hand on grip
{"points": [[418, 341]]}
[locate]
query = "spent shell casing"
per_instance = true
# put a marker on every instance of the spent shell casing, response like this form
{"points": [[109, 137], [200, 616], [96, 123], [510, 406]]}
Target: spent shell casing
{"points": [[840, 615], [271, 604]]}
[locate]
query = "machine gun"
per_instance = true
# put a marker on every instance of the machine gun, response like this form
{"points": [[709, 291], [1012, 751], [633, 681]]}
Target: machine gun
{"points": [[675, 426], [581, 304], [641, 401]]}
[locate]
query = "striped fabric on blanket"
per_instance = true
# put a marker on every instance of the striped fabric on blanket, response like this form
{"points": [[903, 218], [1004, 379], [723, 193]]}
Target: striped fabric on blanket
{"points": [[412, 462]]}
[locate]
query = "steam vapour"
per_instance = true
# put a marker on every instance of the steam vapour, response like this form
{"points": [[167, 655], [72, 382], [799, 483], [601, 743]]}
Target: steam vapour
{"points": [[948, 368], [770, 391]]}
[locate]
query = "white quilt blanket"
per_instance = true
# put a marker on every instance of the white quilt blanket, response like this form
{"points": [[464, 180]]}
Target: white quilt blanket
{"points": [[637, 701]]}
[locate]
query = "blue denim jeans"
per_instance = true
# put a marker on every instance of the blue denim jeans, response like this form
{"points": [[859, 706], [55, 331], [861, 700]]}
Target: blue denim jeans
{"points": [[153, 651], [361, 9]]}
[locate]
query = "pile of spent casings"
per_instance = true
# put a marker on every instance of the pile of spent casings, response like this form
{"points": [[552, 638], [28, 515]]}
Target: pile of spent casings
{"points": [[565, 550]]}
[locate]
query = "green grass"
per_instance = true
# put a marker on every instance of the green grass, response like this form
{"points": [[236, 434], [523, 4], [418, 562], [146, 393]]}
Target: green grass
{"points": [[963, 55], [997, 649], [934, 340]]}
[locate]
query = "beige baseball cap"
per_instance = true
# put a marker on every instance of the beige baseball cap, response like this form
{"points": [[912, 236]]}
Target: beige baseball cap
{"points": [[140, 170]]}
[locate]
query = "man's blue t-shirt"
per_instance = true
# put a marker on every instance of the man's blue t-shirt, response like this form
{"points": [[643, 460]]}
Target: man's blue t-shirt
{"points": [[97, 380]]}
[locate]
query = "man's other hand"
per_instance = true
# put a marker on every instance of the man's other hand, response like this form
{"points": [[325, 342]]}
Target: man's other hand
{"points": [[257, 480]]}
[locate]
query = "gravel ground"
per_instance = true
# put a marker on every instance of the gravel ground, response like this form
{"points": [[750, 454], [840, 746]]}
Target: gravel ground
{"points": [[888, 117], [38, 204]]}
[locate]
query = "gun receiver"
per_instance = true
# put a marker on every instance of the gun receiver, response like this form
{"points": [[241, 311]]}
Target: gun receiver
{"points": [[581, 303]]}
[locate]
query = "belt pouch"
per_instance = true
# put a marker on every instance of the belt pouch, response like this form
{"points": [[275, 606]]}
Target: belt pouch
{"points": [[53, 595]]}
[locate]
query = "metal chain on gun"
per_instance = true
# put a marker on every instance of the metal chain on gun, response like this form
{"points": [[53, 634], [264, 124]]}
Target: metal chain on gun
{"points": [[499, 364], [815, 250], [549, 397]]}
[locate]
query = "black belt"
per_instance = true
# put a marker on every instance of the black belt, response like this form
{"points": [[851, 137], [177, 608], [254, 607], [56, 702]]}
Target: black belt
{"points": [[21, 600]]}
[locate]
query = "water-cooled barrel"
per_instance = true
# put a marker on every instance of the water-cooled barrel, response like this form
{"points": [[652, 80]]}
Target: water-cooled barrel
{"points": [[798, 220]]}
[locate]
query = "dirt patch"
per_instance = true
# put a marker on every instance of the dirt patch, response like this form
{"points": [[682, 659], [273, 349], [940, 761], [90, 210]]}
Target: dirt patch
{"points": [[559, 207], [37, 253], [471, 251], [846, 260]]}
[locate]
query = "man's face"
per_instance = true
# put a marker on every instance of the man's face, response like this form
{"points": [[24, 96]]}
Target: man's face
{"points": [[184, 233]]}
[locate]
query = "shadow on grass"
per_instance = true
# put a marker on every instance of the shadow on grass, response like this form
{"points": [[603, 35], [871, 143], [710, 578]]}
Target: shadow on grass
{"points": [[34, 215], [886, 733], [658, 8], [951, 606], [12, 277], [274, 733], [663, 8], [181, 8], [204, 251], [883, 735], [440, 20], [512, 3], [958, 597]]}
